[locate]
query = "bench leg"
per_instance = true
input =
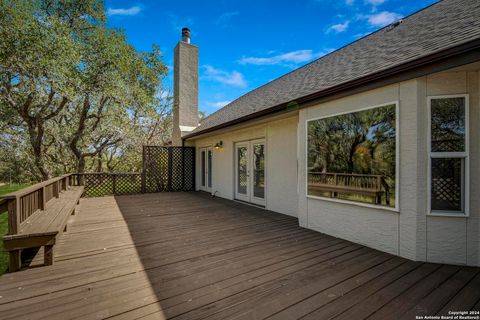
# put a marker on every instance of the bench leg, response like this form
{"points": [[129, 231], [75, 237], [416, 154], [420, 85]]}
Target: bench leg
{"points": [[73, 212], [15, 263], [48, 255], [65, 228]]}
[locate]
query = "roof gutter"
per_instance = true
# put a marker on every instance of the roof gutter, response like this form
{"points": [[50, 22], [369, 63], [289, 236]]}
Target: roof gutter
{"points": [[425, 65]]}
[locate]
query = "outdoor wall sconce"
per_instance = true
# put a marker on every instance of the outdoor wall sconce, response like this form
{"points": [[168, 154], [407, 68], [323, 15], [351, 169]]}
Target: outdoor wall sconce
{"points": [[218, 145]]}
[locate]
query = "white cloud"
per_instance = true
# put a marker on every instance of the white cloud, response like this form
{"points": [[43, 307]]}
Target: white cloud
{"points": [[374, 2], [233, 78], [295, 57], [225, 17], [383, 18], [339, 27], [349, 2], [124, 11]]}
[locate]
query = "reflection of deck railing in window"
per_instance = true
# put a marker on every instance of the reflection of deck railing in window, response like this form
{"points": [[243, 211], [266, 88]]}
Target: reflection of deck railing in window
{"points": [[364, 184]]}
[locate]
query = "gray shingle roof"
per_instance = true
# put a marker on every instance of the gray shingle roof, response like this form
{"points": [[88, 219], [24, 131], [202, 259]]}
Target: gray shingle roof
{"points": [[443, 25]]}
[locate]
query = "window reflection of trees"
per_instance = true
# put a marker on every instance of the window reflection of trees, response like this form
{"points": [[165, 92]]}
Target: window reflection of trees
{"points": [[448, 124], [356, 143]]}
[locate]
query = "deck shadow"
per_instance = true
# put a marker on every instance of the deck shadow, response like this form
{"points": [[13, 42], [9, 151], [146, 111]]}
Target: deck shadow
{"points": [[188, 243]]}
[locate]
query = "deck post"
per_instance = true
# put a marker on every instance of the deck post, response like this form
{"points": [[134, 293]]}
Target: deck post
{"points": [[56, 189], [114, 183], [13, 216], [183, 168], [335, 194], [144, 166], [15, 261], [48, 255], [169, 169], [142, 175], [43, 198]]}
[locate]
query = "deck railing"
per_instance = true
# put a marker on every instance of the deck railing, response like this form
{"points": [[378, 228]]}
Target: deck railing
{"points": [[3, 206], [103, 184], [33, 198], [353, 180], [25, 202], [350, 182]]}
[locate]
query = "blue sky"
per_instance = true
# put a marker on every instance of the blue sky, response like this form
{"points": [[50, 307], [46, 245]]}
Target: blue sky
{"points": [[245, 44]]}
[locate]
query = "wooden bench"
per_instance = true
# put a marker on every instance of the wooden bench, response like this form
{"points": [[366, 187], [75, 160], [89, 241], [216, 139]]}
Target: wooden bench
{"points": [[364, 184], [375, 193], [37, 215]]}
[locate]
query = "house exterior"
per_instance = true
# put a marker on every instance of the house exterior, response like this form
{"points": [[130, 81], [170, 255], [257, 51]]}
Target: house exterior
{"points": [[377, 142]]}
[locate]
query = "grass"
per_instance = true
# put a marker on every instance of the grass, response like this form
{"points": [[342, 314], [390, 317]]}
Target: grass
{"points": [[4, 223]]}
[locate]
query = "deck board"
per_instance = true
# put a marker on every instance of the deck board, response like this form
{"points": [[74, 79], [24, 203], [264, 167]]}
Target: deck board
{"points": [[188, 256]]}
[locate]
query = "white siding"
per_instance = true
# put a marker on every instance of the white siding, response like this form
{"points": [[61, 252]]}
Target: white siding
{"points": [[456, 239], [281, 165], [376, 228], [410, 232]]}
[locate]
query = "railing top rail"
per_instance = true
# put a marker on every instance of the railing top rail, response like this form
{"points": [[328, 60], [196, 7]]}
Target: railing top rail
{"points": [[166, 147], [110, 173], [33, 188], [348, 174]]}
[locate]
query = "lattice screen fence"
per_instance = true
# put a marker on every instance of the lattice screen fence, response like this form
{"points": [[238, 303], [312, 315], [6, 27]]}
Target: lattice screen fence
{"points": [[169, 168], [165, 169]]}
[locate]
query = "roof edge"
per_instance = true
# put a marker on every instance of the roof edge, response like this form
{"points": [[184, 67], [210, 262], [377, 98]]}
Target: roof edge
{"points": [[382, 74]]}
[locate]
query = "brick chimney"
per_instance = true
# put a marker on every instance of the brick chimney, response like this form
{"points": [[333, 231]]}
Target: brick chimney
{"points": [[185, 88]]}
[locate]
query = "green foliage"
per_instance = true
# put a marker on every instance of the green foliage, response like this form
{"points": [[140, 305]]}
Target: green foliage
{"points": [[362, 142], [74, 94]]}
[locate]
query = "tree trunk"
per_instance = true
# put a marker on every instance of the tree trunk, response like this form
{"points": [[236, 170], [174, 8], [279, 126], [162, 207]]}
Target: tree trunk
{"points": [[36, 133], [99, 163], [78, 135], [81, 165], [359, 139]]}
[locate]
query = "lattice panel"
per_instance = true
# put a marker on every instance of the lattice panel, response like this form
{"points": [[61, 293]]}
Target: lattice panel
{"points": [[106, 184], [97, 184], [165, 169], [189, 169], [448, 145], [447, 184], [127, 183], [169, 168]]}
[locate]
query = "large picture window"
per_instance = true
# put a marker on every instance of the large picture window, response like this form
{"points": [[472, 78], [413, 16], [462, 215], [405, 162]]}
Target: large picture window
{"points": [[353, 156], [448, 155]]}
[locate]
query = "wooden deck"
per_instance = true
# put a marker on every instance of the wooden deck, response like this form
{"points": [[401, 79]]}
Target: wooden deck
{"points": [[188, 256]]}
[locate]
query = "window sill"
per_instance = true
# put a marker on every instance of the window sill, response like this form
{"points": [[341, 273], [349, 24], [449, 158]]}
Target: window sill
{"points": [[358, 204], [448, 214]]}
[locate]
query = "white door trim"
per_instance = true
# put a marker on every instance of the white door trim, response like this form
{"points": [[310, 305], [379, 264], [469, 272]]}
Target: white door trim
{"points": [[253, 198], [239, 194], [249, 194], [206, 170]]}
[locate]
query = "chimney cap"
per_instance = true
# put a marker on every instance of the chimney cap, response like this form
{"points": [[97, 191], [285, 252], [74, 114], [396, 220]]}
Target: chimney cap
{"points": [[186, 35]]}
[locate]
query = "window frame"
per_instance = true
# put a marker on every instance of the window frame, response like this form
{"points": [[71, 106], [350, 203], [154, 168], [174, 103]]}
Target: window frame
{"points": [[465, 155], [397, 158]]}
